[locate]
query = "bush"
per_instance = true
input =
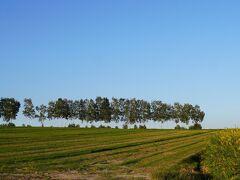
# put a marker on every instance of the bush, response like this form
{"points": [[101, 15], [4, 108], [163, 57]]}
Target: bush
{"points": [[222, 155], [11, 125], [135, 126], [196, 126], [116, 127], [3, 125], [142, 127], [102, 126], [73, 126], [125, 126], [8, 125], [92, 126], [24, 125], [178, 127]]}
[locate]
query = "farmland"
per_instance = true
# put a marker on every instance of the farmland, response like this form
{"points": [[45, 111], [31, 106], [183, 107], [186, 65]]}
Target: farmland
{"points": [[90, 153]]}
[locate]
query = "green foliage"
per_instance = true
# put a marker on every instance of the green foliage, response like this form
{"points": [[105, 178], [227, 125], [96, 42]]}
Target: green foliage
{"points": [[8, 125], [29, 110], [73, 125], [41, 113], [222, 155], [161, 111], [142, 127], [24, 125], [101, 126], [103, 109], [130, 111], [178, 127], [185, 113], [61, 109], [91, 112], [196, 126], [9, 108], [125, 126]]}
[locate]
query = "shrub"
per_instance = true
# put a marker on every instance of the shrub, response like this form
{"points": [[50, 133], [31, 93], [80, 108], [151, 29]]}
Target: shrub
{"points": [[73, 126], [8, 125], [135, 126], [142, 127], [178, 127], [125, 126], [11, 125], [24, 125], [102, 126], [92, 126], [222, 155], [3, 125], [196, 126], [116, 127]]}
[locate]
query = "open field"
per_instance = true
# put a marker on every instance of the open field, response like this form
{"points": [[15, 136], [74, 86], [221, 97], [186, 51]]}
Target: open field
{"points": [[58, 153]]}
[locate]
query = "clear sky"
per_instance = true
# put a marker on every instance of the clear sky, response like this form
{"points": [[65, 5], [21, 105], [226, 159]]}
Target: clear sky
{"points": [[169, 50]]}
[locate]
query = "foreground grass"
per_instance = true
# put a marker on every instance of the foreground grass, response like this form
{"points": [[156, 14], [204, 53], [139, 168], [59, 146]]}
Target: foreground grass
{"points": [[109, 152]]}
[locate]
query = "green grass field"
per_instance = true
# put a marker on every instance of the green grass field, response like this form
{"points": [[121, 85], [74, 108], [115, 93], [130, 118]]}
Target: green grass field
{"points": [[85, 153]]}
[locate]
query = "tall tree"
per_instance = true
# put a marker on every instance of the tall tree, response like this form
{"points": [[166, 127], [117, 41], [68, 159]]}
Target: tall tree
{"points": [[29, 110], [157, 111], [197, 115], [145, 110], [1, 109], [9, 108], [73, 108], [51, 110], [82, 110], [177, 111], [62, 109], [133, 111], [105, 110], [125, 105], [42, 113], [123, 108], [98, 107], [91, 110], [186, 113], [115, 109]]}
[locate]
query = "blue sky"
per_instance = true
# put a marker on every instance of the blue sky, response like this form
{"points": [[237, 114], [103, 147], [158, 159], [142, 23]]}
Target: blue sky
{"points": [[175, 51]]}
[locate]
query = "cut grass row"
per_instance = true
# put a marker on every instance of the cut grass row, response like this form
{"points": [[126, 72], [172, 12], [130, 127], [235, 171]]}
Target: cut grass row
{"points": [[62, 149], [100, 147]]}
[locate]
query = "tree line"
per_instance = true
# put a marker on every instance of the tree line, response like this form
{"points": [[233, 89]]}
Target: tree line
{"points": [[129, 111]]}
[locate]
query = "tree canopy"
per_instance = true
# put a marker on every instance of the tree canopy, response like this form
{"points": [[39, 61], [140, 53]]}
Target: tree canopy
{"points": [[129, 111], [9, 108]]}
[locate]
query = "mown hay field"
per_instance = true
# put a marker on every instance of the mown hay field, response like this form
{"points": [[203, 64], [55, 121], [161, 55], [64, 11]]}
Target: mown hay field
{"points": [[94, 153]]}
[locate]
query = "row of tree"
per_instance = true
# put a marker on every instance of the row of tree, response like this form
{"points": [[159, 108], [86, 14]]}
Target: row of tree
{"points": [[101, 109]]}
